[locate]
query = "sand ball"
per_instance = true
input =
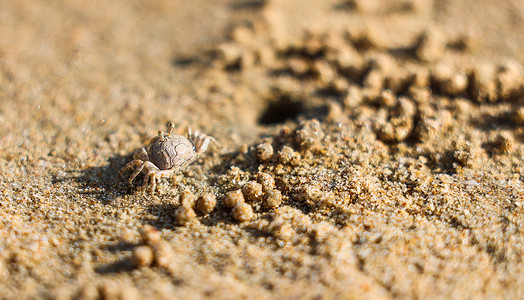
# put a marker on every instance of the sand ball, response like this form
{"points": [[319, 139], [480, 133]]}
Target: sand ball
{"points": [[206, 203], [233, 198], [243, 212], [264, 152], [187, 198], [252, 191], [272, 199], [142, 256], [267, 181], [184, 214]]}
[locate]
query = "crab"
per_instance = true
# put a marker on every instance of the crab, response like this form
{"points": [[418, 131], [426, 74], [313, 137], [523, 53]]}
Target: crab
{"points": [[166, 155]]}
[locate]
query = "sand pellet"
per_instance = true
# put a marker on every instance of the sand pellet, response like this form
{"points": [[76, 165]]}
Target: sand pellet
{"points": [[266, 180], [150, 235], [233, 198], [184, 215], [163, 254], [243, 212], [264, 152], [206, 203], [142, 256], [272, 199], [187, 198], [252, 191]]}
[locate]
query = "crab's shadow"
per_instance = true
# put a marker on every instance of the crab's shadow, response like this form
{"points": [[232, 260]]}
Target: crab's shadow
{"points": [[103, 182]]}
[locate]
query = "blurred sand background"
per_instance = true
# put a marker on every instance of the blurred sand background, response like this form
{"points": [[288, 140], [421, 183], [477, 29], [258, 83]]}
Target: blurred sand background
{"points": [[393, 131]]}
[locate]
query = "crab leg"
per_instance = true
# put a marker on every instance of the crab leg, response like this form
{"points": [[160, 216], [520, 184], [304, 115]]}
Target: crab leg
{"points": [[145, 183], [141, 154], [136, 172], [158, 174], [185, 164], [129, 165], [150, 175], [153, 183]]}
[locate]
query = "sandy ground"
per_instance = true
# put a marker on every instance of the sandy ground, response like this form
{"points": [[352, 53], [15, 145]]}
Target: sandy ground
{"points": [[374, 149]]}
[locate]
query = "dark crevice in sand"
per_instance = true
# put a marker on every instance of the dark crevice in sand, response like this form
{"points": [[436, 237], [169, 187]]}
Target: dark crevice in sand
{"points": [[247, 4], [281, 110], [121, 266]]}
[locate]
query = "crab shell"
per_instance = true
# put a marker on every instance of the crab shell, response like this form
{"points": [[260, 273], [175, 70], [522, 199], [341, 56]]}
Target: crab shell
{"points": [[171, 152]]}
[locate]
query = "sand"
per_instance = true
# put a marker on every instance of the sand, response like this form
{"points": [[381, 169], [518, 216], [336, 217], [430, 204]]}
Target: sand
{"points": [[365, 149]]}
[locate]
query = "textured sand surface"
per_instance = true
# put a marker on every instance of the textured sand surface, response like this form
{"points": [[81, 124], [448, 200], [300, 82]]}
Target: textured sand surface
{"points": [[365, 149]]}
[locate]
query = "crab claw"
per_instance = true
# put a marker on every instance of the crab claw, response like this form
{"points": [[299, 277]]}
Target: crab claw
{"points": [[199, 140]]}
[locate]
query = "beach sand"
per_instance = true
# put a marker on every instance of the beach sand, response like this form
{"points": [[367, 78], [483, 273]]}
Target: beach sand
{"points": [[364, 149]]}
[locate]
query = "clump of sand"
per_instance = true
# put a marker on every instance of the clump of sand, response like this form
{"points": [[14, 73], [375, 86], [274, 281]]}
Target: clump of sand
{"points": [[365, 150]]}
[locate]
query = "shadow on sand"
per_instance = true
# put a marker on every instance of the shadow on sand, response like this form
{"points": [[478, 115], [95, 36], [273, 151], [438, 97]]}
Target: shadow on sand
{"points": [[103, 182]]}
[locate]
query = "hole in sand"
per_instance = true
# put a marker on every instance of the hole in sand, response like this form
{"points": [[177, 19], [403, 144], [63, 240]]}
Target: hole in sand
{"points": [[280, 111]]}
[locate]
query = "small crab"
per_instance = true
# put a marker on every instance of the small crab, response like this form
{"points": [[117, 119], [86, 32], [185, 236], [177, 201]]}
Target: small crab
{"points": [[167, 154]]}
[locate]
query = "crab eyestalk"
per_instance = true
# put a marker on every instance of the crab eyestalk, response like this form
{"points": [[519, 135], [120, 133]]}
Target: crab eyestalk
{"points": [[170, 127], [161, 135]]}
